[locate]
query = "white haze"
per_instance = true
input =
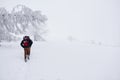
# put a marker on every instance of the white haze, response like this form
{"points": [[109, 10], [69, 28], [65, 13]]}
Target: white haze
{"points": [[86, 20], [83, 42]]}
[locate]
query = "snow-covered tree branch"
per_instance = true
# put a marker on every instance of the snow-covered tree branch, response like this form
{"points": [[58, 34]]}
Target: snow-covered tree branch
{"points": [[21, 21]]}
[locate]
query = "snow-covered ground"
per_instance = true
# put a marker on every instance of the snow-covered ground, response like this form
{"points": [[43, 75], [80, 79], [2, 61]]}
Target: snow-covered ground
{"points": [[95, 57], [60, 61]]}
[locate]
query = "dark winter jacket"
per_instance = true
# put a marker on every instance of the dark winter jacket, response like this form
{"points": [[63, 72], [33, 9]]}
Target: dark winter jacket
{"points": [[29, 45]]}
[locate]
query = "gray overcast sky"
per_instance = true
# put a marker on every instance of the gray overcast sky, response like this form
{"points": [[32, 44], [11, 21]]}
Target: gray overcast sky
{"points": [[85, 19]]}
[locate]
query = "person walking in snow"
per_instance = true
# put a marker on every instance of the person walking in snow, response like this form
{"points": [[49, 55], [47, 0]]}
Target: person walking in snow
{"points": [[26, 43]]}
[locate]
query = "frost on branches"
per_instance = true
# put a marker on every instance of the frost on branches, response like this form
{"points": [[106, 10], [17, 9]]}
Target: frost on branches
{"points": [[21, 21]]}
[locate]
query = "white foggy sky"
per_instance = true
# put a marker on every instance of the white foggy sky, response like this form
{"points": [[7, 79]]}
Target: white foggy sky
{"points": [[84, 19]]}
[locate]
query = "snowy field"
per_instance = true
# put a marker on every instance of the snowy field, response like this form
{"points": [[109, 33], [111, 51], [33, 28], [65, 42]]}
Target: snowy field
{"points": [[60, 61], [92, 20]]}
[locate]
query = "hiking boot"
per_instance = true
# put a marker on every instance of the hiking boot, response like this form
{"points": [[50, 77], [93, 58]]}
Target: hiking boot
{"points": [[25, 60], [28, 58]]}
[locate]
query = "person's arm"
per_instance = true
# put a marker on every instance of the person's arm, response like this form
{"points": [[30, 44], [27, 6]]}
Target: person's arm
{"points": [[21, 43], [31, 42]]}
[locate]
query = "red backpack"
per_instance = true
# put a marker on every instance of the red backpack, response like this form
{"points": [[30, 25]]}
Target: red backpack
{"points": [[25, 43]]}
